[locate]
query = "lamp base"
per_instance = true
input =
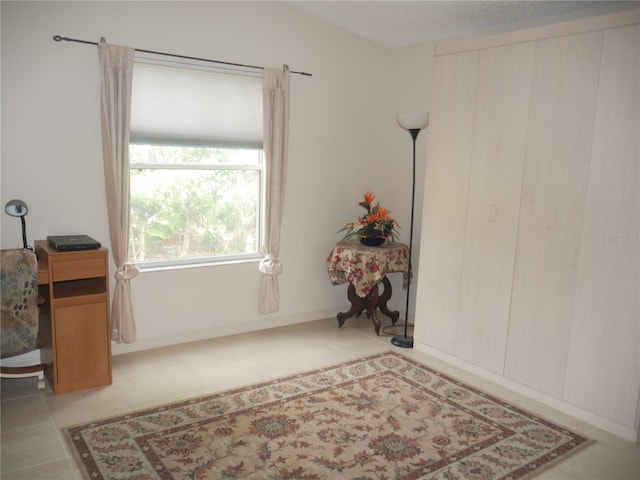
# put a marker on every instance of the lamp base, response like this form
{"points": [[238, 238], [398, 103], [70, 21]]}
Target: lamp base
{"points": [[402, 341]]}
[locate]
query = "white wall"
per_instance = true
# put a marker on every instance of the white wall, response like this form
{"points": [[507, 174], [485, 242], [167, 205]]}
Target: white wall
{"points": [[344, 141]]}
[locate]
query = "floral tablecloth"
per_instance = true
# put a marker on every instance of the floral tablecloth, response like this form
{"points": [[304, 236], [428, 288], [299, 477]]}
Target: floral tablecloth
{"points": [[364, 267]]}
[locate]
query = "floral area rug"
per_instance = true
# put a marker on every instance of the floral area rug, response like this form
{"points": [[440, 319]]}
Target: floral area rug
{"points": [[382, 417]]}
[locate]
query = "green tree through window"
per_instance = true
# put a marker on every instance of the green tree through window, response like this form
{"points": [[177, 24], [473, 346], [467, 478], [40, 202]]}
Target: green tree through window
{"points": [[189, 204]]}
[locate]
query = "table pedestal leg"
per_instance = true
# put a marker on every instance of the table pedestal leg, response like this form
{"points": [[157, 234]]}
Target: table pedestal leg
{"points": [[371, 303], [384, 298]]}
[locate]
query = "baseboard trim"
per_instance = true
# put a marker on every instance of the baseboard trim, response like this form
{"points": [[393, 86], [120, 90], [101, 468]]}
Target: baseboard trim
{"points": [[222, 331], [558, 404]]}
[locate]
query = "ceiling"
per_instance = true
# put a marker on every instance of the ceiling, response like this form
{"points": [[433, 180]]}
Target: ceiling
{"points": [[394, 23]]}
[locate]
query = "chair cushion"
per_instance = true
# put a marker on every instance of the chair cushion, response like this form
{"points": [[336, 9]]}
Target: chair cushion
{"points": [[19, 294]]}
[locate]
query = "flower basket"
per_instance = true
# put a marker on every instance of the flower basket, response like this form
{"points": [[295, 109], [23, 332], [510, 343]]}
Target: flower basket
{"points": [[373, 228], [372, 241]]}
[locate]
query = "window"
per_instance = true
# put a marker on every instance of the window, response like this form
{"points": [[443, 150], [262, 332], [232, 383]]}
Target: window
{"points": [[196, 165]]}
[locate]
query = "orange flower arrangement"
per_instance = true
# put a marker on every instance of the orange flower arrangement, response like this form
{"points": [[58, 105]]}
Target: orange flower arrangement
{"points": [[376, 225]]}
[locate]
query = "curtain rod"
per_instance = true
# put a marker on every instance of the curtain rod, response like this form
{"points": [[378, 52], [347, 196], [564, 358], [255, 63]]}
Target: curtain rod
{"points": [[58, 38]]}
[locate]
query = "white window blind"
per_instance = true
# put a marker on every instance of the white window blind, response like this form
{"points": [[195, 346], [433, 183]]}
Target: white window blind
{"points": [[195, 107]]}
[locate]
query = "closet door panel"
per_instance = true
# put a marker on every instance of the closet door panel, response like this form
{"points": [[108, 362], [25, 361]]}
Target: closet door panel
{"points": [[500, 127], [445, 200], [603, 367], [561, 115]]}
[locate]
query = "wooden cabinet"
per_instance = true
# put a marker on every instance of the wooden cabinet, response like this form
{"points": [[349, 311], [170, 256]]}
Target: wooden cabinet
{"points": [[445, 198], [536, 134], [552, 207], [495, 177], [76, 317], [603, 364]]}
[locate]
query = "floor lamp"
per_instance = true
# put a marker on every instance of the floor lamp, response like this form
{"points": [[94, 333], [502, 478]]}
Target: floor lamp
{"points": [[413, 122]]}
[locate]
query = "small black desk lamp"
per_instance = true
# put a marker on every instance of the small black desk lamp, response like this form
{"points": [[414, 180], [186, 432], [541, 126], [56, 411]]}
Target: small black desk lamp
{"points": [[17, 208]]}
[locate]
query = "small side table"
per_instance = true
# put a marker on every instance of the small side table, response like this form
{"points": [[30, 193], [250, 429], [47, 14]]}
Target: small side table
{"points": [[364, 268]]}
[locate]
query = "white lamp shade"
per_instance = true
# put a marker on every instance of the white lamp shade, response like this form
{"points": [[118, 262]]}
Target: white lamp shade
{"points": [[414, 120]]}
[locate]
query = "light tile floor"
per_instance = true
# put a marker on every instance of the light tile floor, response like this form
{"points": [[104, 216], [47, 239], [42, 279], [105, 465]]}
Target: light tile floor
{"points": [[33, 447]]}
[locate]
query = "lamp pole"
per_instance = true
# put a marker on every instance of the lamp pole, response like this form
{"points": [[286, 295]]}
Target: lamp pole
{"points": [[413, 123]]}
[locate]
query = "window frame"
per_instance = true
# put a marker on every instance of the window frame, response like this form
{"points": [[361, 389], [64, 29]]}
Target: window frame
{"points": [[259, 167]]}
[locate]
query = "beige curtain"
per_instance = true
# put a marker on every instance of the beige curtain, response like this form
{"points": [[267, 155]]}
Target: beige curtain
{"points": [[275, 98], [116, 64]]}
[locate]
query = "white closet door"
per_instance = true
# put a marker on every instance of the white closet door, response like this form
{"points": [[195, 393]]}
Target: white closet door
{"points": [[603, 368], [561, 114], [500, 127], [445, 199]]}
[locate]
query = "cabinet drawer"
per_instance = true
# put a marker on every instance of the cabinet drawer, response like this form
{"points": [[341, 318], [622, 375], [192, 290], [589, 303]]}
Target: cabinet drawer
{"points": [[79, 268]]}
